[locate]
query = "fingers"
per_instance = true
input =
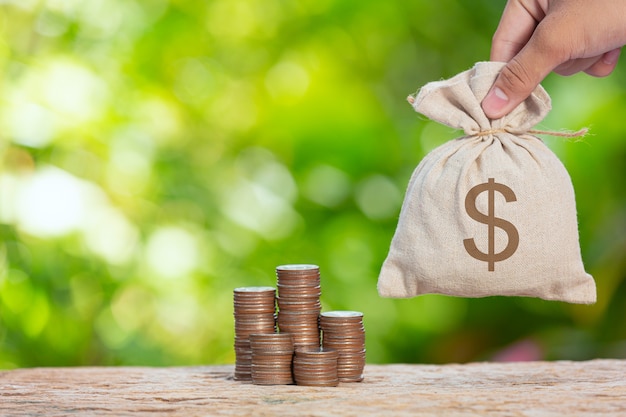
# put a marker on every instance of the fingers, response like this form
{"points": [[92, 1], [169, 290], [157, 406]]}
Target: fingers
{"points": [[516, 26], [524, 72], [518, 79], [536, 37], [515, 33], [597, 66], [605, 65]]}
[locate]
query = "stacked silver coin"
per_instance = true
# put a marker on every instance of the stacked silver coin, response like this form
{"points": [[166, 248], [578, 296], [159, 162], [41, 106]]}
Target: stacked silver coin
{"points": [[299, 303], [316, 367], [343, 331], [272, 356], [255, 312]]}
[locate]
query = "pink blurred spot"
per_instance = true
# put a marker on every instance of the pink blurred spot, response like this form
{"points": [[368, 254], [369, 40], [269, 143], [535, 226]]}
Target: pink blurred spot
{"points": [[520, 351]]}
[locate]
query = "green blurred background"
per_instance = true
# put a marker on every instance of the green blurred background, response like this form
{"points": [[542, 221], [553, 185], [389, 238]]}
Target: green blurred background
{"points": [[157, 154]]}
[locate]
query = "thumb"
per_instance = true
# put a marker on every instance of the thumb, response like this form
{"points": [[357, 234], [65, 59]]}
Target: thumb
{"points": [[517, 80]]}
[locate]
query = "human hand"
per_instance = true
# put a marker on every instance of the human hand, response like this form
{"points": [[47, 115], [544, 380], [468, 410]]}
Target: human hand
{"points": [[536, 37]]}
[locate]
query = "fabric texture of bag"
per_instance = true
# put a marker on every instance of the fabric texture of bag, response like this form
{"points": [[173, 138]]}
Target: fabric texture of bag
{"points": [[490, 213]]}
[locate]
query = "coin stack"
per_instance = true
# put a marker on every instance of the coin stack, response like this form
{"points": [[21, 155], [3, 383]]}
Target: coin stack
{"points": [[299, 303], [272, 356], [316, 367], [343, 331], [254, 310]]}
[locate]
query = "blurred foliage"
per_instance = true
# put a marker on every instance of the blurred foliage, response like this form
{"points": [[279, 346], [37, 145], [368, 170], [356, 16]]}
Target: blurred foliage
{"points": [[155, 155]]}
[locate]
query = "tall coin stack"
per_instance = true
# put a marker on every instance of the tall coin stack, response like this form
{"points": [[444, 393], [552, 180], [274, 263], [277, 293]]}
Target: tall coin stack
{"points": [[254, 310], [316, 367], [272, 356], [299, 303], [343, 331]]}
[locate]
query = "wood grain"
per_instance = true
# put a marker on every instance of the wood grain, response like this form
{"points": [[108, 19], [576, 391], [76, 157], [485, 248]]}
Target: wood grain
{"points": [[592, 388]]}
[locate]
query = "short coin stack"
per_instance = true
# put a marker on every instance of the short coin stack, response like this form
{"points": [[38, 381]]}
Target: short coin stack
{"points": [[272, 356], [299, 303], [343, 331], [316, 367], [254, 310]]}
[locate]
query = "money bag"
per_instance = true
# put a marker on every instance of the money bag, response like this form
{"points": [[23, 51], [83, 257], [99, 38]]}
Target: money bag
{"points": [[489, 213]]}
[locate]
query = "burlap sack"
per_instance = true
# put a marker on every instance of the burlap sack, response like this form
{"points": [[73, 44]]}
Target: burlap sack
{"points": [[490, 213]]}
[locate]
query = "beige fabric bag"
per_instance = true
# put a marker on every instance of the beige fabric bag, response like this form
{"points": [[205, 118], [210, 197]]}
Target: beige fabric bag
{"points": [[490, 213]]}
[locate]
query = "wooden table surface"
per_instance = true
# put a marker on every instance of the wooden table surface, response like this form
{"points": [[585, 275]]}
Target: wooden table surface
{"points": [[591, 388]]}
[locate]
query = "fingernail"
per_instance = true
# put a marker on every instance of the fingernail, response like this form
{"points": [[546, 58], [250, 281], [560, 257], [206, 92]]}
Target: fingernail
{"points": [[611, 57], [494, 102]]}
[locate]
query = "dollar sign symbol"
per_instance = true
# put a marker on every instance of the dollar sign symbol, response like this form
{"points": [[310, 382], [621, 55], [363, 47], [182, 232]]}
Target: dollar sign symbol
{"points": [[492, 222]]}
